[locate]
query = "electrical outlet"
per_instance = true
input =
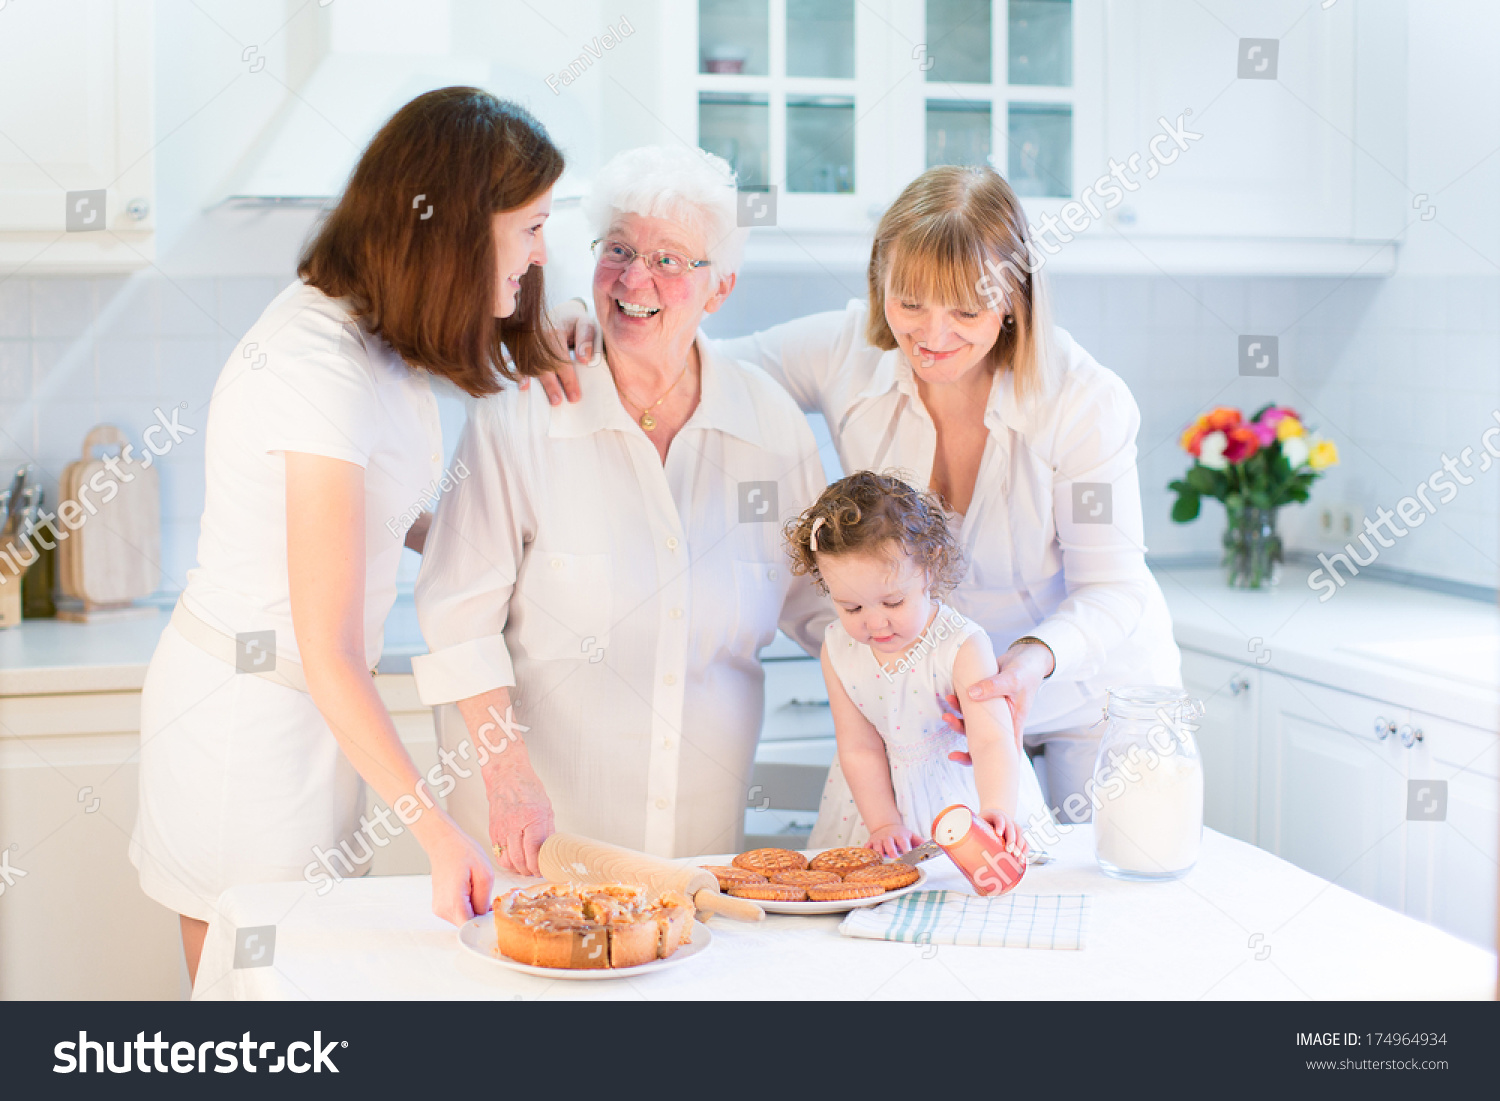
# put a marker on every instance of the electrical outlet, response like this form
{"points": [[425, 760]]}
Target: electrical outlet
{"points": [[1338, 521]]}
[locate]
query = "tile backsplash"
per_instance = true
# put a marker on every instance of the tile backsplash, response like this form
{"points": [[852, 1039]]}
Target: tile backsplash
{"points": [[1399, 372]]}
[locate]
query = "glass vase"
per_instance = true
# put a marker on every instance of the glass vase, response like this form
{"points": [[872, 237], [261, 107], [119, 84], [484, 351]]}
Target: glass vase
{"points": [[1252, 549]]}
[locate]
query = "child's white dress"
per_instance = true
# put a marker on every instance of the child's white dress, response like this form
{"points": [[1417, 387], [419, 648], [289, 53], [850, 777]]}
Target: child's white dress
{"points": [[904, 705]]}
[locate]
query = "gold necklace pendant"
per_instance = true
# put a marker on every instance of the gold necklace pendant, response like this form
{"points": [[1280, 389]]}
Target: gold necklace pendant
{"points": [[648, 422]]}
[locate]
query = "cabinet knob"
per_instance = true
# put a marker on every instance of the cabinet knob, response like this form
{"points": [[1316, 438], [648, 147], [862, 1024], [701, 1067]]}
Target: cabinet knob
{"points": [[1239, 685], [1384, 728], [1410, 735]]}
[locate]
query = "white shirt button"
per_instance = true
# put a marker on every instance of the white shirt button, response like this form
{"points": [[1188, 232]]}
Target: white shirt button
{"points": [[661, 804], [435, 456], [557, 563], [666, 743], [671, 542], [675, 613], [669, 680], [771, 574]]}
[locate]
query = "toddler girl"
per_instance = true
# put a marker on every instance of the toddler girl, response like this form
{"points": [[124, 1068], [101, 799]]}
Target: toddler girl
{"points": [[885, 554]]}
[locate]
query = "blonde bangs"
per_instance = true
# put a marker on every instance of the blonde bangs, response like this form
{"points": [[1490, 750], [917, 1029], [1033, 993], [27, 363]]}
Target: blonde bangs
{"points": [[941, 264]]}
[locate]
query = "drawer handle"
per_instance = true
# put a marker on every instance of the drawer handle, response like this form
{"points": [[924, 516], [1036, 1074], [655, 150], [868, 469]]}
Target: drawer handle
{"points": [[806, 703], [1410, 735], [1384, 728]]}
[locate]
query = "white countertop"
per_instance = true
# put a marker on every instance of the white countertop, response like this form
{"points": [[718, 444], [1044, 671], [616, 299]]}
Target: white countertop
{"points": [[1243, 924], [47, 656], [1379, 639], [1412, 647]]}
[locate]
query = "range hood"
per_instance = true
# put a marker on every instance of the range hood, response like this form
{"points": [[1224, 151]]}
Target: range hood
{"points": [[348, 68]]}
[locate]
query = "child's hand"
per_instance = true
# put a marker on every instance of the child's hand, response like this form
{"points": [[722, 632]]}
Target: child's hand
{"points": [[893, 840], [1006, 829]]}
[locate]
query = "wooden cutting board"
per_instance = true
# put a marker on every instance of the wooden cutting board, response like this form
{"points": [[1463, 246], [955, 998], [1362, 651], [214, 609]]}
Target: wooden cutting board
{"points": [[113, 557]]}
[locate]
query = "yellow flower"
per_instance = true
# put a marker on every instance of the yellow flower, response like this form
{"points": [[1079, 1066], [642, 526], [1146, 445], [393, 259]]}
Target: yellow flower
{"points": [[1323, 455], [1288, 427]]}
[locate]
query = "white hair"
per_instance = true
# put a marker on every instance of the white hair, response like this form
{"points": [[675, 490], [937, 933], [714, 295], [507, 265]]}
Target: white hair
{"points": [[690, 187]]}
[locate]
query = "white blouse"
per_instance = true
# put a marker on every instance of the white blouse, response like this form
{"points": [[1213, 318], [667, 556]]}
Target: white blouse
{"points": [[308, 377], [1035, 567], [625, 600]]}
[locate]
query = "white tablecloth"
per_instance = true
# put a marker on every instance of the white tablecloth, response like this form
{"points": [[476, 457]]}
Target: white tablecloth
{"points": [[1243, 924]]}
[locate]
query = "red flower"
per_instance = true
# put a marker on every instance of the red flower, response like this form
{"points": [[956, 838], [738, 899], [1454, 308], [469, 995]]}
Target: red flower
{"points": [[1242, 443]]}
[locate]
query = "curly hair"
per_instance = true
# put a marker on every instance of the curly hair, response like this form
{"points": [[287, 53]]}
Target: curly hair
{"points": [[866, 512]]}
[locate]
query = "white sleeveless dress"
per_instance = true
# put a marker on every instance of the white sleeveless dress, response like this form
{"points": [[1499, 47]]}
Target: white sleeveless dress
{"points": [[905, 706]]}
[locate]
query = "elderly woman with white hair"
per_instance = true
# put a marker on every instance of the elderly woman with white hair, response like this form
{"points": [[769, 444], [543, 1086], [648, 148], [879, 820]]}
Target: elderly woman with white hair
{"points": [[610, 569]]}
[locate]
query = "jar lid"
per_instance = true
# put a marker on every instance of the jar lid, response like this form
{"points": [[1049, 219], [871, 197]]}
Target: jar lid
{"points": [[1144, 701]]}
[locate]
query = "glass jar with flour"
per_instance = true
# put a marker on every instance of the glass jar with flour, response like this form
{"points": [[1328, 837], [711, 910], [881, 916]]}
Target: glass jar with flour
{"points": [[1148, 785]]}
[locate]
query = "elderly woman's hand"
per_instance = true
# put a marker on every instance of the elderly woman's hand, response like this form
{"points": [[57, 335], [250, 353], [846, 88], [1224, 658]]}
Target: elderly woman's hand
{"points": [[520, 816], [580, 334], [1022, 670]]}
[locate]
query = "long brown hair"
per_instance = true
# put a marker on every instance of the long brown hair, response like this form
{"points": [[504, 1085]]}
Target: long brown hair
{"points": [[411, 245], [957, 236]]}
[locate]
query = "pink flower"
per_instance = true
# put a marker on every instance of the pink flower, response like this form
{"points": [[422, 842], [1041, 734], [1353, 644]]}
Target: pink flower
{"points": [[1265, 432]]}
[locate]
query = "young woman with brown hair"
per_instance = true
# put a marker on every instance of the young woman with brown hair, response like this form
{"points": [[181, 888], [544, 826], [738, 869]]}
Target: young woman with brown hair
{"points": [[259, 717]]}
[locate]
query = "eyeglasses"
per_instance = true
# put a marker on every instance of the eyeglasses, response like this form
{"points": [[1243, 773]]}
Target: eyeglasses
{"points": [[617, 254]]}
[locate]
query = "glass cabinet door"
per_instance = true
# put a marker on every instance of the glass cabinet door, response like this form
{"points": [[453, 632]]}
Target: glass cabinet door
{"points": [[734, 36], [820, 38], [777, 93], [1019, 119], [736, 126]]}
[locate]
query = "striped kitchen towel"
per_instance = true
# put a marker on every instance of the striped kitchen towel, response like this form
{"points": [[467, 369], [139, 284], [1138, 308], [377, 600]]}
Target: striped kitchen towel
{"points": [[952, 917]]}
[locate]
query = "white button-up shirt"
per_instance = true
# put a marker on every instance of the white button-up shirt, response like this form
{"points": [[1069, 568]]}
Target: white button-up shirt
{"points": [[625, 600], [1072, 575]]}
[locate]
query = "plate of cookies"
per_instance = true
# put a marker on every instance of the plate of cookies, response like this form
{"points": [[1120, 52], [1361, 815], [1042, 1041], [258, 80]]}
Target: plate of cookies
{"points": [[783, 881]]}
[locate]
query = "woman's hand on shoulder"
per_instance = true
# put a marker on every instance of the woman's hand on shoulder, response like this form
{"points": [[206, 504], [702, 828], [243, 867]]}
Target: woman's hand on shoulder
{"points": [[461, 876], [580, 336], [892, 840]]}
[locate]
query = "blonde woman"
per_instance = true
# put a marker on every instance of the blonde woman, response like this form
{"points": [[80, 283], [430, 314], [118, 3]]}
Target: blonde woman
{"points": [[953, 372]]}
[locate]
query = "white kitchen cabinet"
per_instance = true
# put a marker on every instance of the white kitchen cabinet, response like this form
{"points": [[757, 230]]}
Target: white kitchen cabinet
{"points": [[73, 920], [1302, 138], [1296, 174], [1332, 792], [1453, 833], [796, 701], [1228, 739], [76, 83]]}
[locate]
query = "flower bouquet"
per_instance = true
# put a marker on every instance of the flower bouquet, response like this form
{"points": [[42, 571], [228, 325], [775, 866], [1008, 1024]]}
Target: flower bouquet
{"points": [[1254, 466]]}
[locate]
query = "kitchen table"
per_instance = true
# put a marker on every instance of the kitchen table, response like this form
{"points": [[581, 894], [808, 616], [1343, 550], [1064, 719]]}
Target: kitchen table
{"points": [[1242, 925]]}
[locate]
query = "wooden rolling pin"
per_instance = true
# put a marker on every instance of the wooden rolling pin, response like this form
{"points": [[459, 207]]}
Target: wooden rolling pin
{"points": [[567, 857]]}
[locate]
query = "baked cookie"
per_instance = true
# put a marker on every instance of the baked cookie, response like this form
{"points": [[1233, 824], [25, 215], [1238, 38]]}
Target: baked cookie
{"points": [[889, 876], [843, 861], [805, 878], [832, 892], [767, 862], [770, 892], [732, 877]]}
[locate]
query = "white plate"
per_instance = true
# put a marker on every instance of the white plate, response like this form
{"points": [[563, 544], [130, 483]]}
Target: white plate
{"points": [[477, 935], [841, 905]]}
